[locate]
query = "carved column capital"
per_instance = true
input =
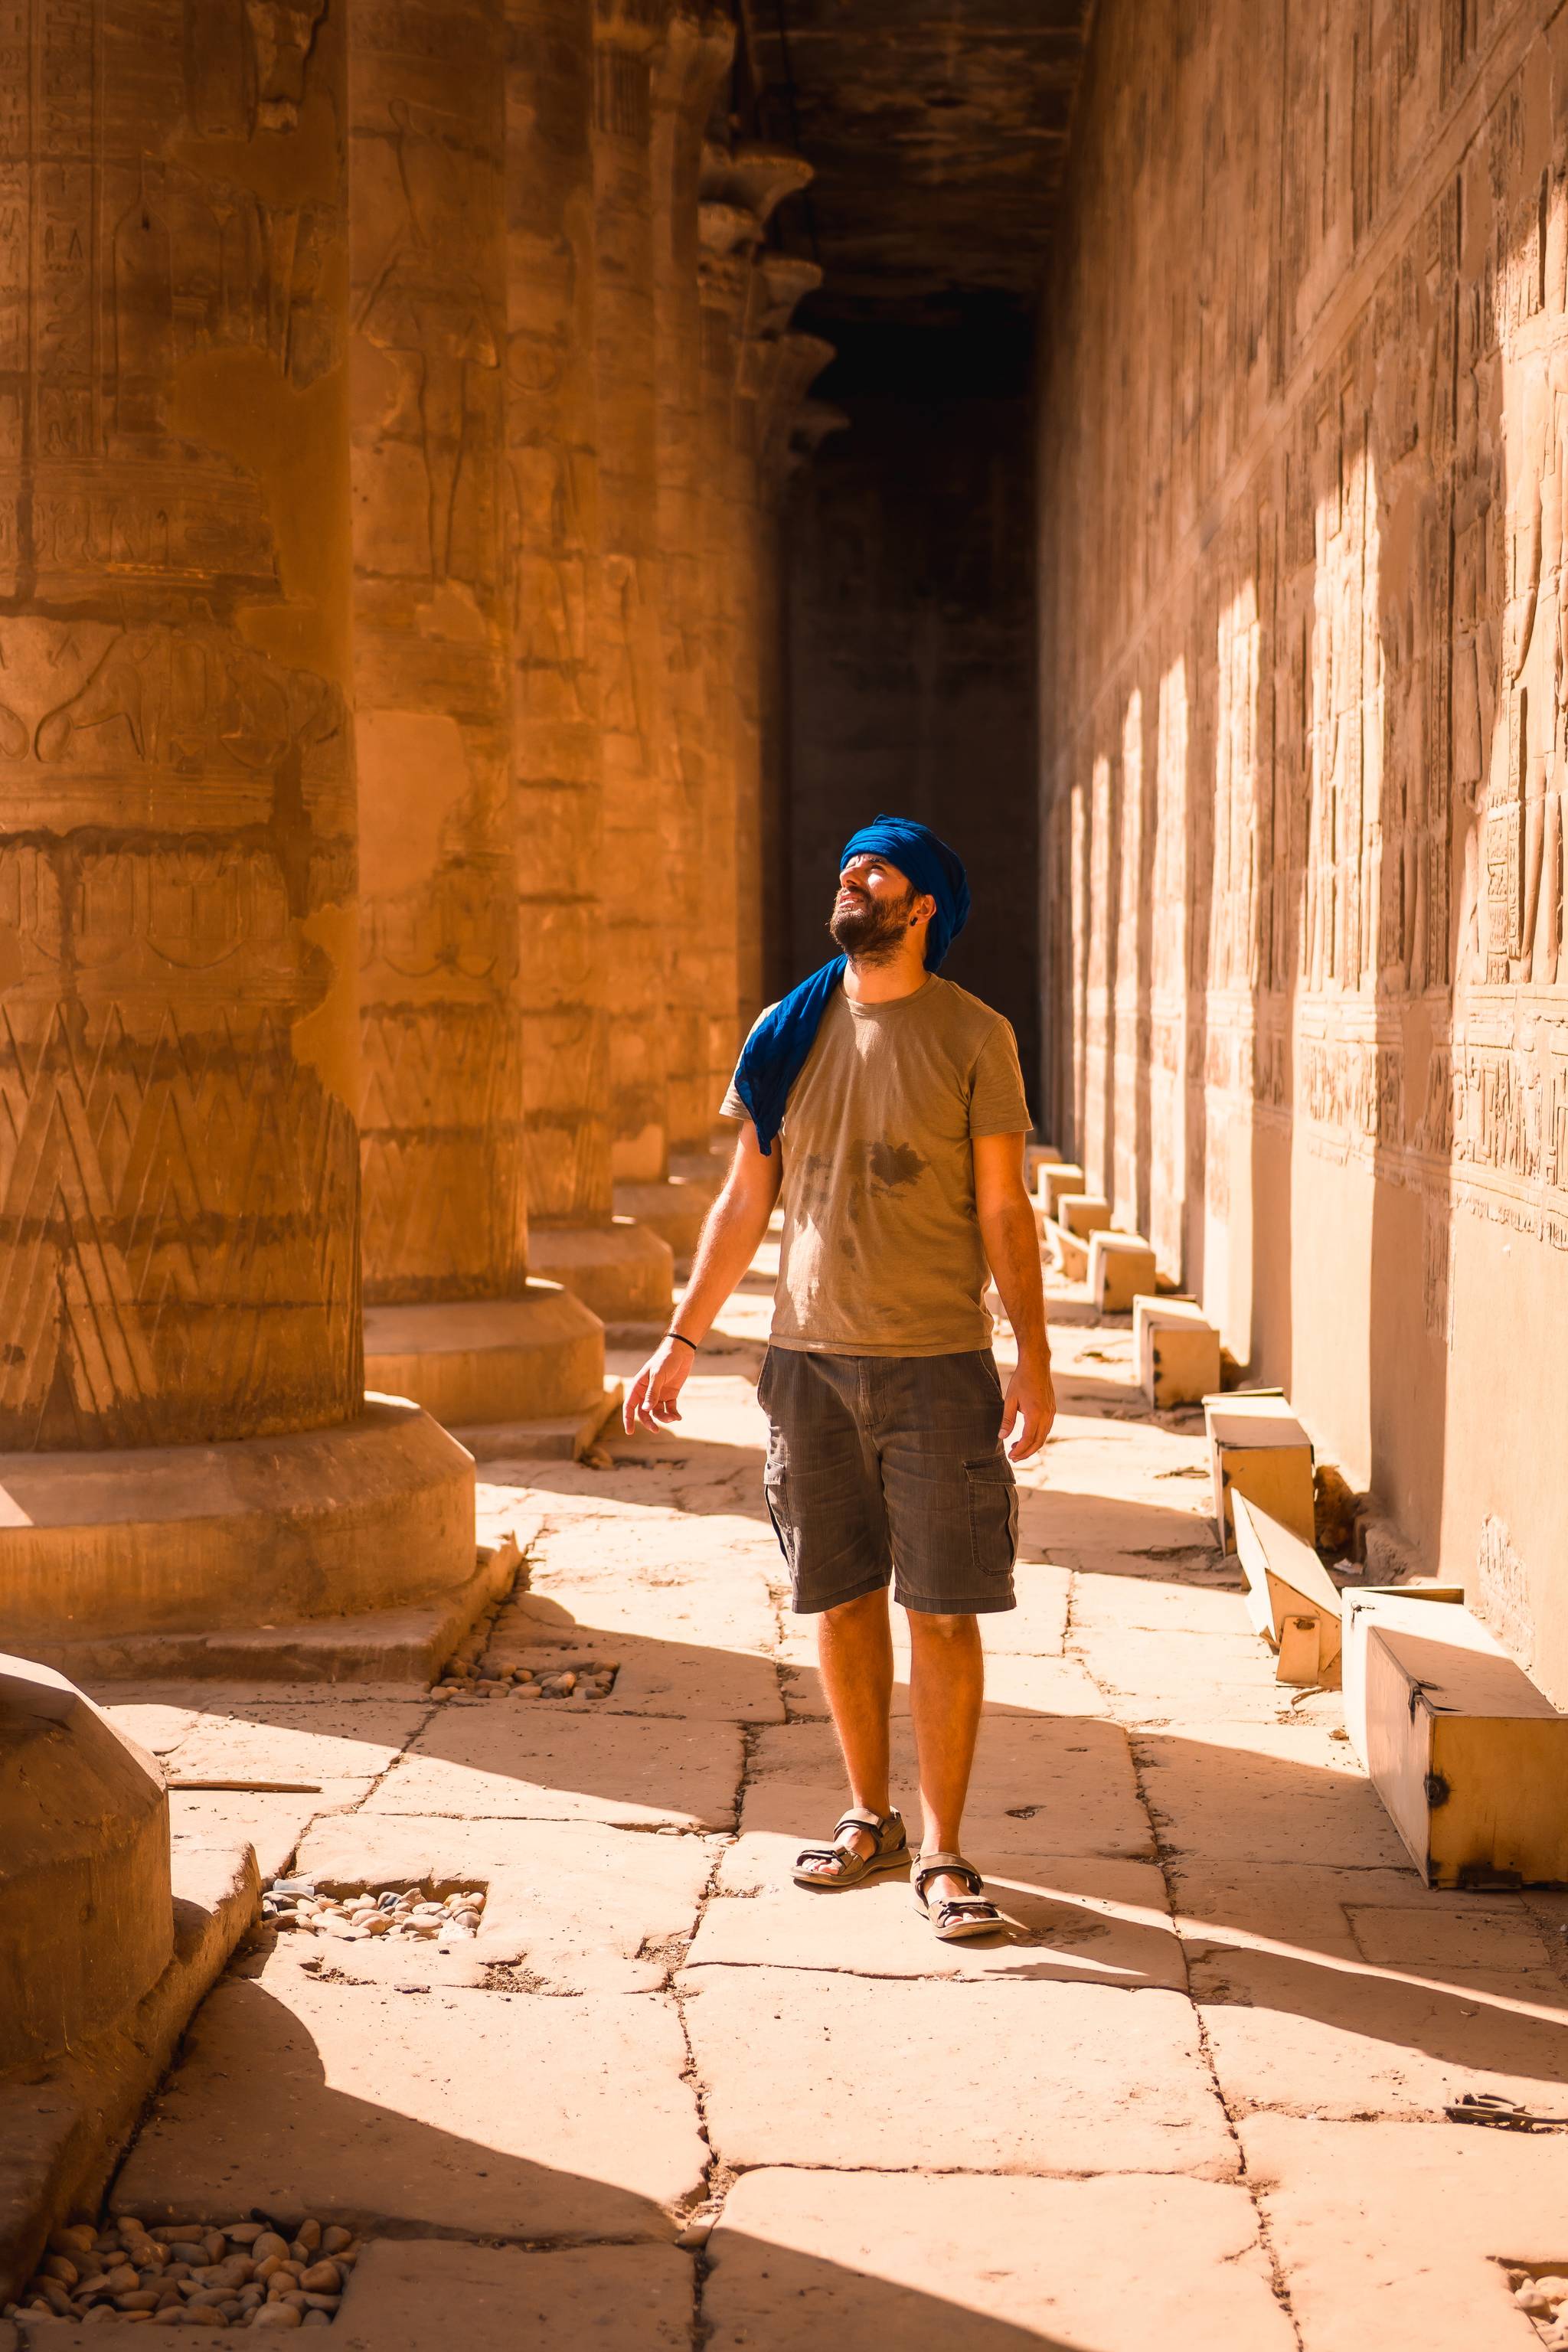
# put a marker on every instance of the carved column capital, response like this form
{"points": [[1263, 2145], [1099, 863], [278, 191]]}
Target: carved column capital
{"points": [[754, 175], [789, 364], [691, 62]]}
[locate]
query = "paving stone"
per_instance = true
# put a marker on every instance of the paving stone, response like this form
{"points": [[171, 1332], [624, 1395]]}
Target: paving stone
{"points": [[414, 2298], [272, 1825], [1265, 1793], [1332, 2037], [572, 1902], [977, 2075], [803, 2259], [1072, 1922], [495, 2114], [1039, 1788], [1139, 1600], [1394, 2233], [1014, 1686], [507, 1760], [278, 1740]]}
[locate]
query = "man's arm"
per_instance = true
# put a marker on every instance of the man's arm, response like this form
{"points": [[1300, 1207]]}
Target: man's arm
{"points": [[1011, 1242], [731, 1235]]}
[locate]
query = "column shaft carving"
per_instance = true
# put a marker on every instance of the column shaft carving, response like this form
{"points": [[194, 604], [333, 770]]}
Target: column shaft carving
{"points": [[552, 459], [178, 1162], [444, 1214], [691, 64]]}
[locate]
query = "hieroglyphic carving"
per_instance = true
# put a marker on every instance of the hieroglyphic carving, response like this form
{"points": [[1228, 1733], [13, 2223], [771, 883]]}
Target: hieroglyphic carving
{"points": [[178, 1176], [441, 1114]]}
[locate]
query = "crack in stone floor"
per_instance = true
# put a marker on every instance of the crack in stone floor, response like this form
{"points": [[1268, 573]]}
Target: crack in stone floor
{"points": [[662, 2095]]}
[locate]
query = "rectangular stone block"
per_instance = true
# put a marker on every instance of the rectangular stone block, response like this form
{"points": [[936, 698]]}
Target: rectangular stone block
{"points": [[1176, 1349], [1083, 1213], [1119, 1266], [1470, 1758], [1053, 1182], [1257, 1447], [1292, 1599], [1402, 1605]]}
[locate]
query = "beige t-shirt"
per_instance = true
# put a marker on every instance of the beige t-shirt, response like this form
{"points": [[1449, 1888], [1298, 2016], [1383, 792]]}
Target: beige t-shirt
{"points": [[881, 1253]]}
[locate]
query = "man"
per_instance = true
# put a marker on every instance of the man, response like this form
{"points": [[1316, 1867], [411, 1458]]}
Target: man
{"points": [[898, 1108]]}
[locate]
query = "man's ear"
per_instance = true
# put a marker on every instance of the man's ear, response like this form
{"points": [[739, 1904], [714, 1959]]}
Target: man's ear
{"points": [[923, 909]]}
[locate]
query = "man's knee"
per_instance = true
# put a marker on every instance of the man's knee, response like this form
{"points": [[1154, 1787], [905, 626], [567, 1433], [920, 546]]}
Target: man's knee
{"points": [[864, 1609], [925, 1624]]}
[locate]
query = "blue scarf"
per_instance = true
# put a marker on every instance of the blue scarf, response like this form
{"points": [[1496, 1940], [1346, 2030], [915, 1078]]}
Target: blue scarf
{"points": [[776, 1053]]}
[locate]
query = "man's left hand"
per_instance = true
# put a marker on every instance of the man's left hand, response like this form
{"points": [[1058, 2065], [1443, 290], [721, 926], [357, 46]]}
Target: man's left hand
{"points": [[1031, 1402]]}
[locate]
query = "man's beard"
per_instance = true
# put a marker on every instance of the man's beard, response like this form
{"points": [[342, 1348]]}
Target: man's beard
{"points": [[871, 929]]}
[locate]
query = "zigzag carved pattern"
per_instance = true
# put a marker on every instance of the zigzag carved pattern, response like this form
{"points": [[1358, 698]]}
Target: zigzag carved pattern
{"points": [[177, 1223], [443, 1200]]}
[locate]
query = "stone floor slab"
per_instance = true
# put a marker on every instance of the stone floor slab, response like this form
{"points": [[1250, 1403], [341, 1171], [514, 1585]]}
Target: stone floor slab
{"points": [[1264, 1793], [1070, 1922], [803, 2259], [1039, 1788], [977, 2075], [571, 1903], [498, 1759], [504, 2114], [1394, 2233], [283, 1742]]}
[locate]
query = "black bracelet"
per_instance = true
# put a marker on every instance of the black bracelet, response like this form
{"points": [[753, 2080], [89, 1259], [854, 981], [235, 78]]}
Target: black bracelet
{"points": [[683, 1339]]}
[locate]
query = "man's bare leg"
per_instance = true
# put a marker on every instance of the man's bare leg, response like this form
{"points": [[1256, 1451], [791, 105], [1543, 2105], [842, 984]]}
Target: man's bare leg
{"points": [[947, 1683], [855, 1651]]}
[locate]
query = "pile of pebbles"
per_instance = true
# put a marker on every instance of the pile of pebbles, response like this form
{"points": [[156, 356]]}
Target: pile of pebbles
{"points": [[188, 2273], [374, 1911], [584, 1678], [1545, 2300]]}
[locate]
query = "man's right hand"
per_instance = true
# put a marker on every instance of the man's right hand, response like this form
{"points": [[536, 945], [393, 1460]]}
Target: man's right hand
{"points": [[652, 1399]]}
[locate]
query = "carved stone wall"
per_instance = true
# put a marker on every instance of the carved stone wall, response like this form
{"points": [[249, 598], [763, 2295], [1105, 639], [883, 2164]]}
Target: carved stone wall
{"points": [[178, 1043], [1303, 439], [553, 460], [444, 1200]]}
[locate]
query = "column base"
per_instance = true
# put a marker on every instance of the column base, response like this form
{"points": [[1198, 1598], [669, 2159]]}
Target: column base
{"points": [[623, 1272], [540, 1357], [674, 1210], [266, 1557]]}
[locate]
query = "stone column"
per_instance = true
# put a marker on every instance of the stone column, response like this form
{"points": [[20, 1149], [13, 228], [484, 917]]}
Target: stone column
{"points": [[790, 363], [640, 869], [753, 180], [197, 1467], [620, 1269], [450, 1316], [728, 231], [689, 68]]}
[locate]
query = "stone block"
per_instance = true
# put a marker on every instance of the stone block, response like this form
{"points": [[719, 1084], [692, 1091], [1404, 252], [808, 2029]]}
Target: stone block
{"points": [[1119, 1266], [1176, 1349], [1257, 1447], [86, 1920], [624, 1272], [1082, 1213], [111, 1557], [489, 1359], [1469, 1756], [1054, 1181], [1292, 1599]]}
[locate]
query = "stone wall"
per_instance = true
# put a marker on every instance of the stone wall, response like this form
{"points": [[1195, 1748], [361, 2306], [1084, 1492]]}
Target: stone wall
{"points": [[1304, 434], [911, 659]]}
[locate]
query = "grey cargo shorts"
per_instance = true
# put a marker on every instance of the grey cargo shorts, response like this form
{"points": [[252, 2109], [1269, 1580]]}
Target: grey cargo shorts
{"points": [[890, 1467]]}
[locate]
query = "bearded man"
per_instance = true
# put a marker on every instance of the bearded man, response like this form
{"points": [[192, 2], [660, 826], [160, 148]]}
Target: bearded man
{"points": [[883, 1111]]}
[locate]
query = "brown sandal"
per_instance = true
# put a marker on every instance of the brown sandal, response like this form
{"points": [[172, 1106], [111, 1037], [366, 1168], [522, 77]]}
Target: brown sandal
{"points": [[956, 1918], [893, 1851]]}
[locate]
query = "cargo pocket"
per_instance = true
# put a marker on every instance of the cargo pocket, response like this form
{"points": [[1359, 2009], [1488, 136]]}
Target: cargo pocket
{"points": [[775, 1494], [993, 1514]]}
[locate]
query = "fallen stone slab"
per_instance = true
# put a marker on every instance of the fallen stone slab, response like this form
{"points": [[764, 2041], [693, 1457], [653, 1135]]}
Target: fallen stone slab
{"points": [[504, 1763], [495, 2114], [977, 2076], [804, 2259], [1071, 1922], [1398, 2232]]}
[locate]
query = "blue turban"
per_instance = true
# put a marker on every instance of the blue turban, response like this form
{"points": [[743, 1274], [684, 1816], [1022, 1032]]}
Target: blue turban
{"points": [[776, 1053]]}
